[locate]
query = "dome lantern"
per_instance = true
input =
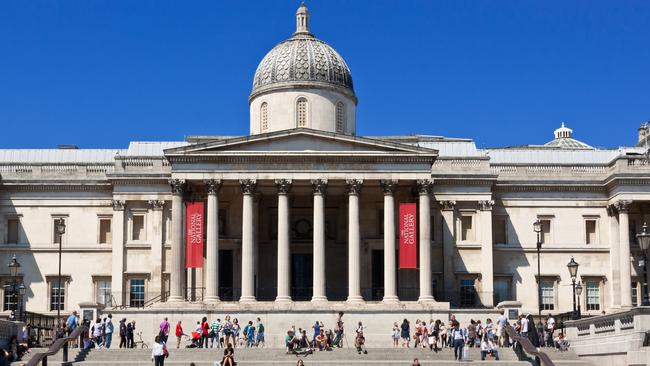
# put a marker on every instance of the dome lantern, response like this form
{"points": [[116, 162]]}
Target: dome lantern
{"points": [[302, 20]]}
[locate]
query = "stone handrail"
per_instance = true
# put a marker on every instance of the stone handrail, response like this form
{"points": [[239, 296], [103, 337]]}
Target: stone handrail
{"points": [[57, 346], [528, 346]]}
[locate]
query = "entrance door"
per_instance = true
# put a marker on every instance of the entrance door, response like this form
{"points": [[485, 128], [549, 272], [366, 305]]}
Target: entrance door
{"points": [[377, 274], [301, 276], [226, 290]]}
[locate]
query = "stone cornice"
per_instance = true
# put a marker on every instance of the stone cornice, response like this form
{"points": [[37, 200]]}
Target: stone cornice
{"points": [[528, 187], [286, 158], [43, 187]]}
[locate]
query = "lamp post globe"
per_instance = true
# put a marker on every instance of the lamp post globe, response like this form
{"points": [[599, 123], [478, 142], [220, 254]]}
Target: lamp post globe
{"points": [[578, 293], [573, 271], [22, 289], [60, 226], [644, 242], [14, 266]]}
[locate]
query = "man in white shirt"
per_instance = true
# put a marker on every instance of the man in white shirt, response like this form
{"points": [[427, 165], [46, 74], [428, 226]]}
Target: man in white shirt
{"points": [[502, 321], [550, 328], [524, 326]]}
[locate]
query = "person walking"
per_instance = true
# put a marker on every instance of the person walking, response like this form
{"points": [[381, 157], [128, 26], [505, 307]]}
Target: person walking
{"points": [[259, 342], [108, 331], [164, 330], [71, 323], [158, 352], [97, 333], [122, 333], [459, 337], [550, 329], [405, 333], [179, 334]]}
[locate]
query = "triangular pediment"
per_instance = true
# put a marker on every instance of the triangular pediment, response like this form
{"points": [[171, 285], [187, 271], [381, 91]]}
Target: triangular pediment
{"points": [[299, 141]]}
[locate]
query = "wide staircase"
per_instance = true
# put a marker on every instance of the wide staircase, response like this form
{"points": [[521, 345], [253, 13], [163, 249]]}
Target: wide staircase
{"points": [[274, 356]]}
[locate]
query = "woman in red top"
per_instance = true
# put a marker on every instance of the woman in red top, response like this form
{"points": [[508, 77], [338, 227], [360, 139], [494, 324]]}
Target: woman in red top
{"points": [[205, 332], [179, 334]]}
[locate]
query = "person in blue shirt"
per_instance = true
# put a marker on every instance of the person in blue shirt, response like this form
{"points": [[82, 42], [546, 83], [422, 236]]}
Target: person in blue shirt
{"points": [[249, 331], [72, 323]]}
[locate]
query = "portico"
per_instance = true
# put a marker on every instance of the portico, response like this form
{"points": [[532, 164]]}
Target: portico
{"points": [[307, 206]]}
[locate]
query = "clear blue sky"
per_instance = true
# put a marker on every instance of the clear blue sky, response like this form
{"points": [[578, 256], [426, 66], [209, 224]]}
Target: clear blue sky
{"points": [[100, 73]]}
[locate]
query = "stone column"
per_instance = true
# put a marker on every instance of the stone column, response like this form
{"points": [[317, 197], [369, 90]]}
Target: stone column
{"points": [[284, 251], [487, 266], [623, 208], [156, 208], [425, 188], [212, 242], [614, 257], [448, 245], [353, 188], [248, 187], [176, 274], [117, 250], [319, 186], [390, 272]]}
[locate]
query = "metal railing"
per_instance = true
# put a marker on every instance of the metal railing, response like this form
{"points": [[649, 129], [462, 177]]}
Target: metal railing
{"points": [[528, 346], [58, 345]]}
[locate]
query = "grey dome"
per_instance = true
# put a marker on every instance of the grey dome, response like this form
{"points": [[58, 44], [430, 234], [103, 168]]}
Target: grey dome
{"points": [[302, 60]]}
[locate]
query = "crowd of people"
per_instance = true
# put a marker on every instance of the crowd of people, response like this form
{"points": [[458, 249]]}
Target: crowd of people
{"points": [[489, 337], [218, 333], [323, 339]]}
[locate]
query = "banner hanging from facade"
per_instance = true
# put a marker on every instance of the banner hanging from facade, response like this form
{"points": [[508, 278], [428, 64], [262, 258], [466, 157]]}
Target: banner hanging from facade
{"points": [[408, 228], [194, 235]]}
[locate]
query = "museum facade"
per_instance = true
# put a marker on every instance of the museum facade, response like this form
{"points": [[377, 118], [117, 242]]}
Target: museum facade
{"points": [[302, 212]]}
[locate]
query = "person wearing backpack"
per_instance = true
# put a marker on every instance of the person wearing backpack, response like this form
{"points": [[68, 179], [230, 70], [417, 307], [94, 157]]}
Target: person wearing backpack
{"points": [[259, 342]]}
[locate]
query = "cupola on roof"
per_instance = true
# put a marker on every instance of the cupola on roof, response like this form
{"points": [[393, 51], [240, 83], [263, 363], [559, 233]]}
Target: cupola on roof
{"points": [[564, 140], [302, 60]]}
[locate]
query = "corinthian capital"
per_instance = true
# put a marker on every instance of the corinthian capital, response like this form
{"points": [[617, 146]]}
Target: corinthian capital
{"points": [[156, 205], [212, 185], [117, 205], [425, 186], [248, 186], [284, 185], [447, 205], [319, 186], [623, 205], [178, 186], [353, 186], [485, 205], [388, 185]]}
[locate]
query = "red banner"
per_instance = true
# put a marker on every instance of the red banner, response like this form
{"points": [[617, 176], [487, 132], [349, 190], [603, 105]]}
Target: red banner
{"points": [[194, 235], [408, 227]]}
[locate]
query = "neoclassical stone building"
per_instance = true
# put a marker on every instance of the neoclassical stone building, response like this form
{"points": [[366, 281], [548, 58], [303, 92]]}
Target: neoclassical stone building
{"points": [[301, 213]]}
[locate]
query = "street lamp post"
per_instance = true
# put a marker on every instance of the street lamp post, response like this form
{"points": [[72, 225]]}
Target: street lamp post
{"points": [[16, 289], [573, 271], [644, 242], [60, 230], [537, 228], [578, 293]]}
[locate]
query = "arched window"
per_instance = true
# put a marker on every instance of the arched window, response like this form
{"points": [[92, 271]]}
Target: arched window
{"points": [[340, 117], [301, 112], [264, 117]]}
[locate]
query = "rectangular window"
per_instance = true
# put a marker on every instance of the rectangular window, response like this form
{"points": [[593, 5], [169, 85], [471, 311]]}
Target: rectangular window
{"points": [[593, 295], [635, 294], [103, 292], [12, 230], [10, 299], [57, 294], [501, 290], [467, 293], [546, 231], [466, 228], [548, 295], [136, 292], [137, 227], [499, 231], [105, 232], [590, 232]]}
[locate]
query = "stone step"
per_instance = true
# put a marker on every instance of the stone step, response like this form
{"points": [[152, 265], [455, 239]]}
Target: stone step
{"points": [[308, 361], [384, 356]]}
